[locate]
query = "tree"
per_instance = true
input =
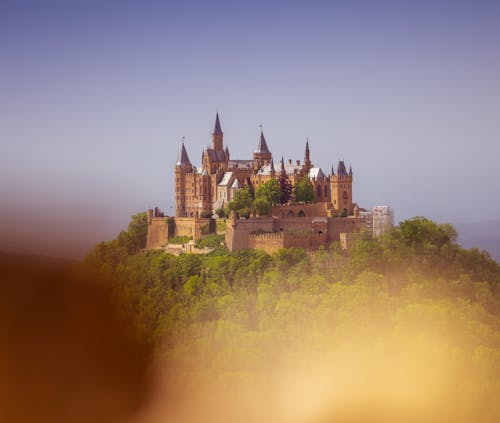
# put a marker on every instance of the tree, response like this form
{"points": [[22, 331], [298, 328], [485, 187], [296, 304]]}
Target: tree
{"points": [[267, 195], [285, 188], [303, 190], [242, 202]]}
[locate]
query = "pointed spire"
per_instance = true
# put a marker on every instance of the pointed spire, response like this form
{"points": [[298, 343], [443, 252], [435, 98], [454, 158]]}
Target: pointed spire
{"points": [[350, 170], [282, 165], [272, 166], [217, 128], [333, 172], [183, 159], [262, 146], [307, 157]]}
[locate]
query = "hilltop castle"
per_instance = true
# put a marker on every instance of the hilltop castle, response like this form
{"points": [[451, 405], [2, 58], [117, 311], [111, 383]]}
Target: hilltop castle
{"points": [[202, 191]]}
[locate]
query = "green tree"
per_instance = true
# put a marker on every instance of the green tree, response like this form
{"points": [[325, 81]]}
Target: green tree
{"points": [[269, 191], [242, 202], [285, 188], [303, 190]]}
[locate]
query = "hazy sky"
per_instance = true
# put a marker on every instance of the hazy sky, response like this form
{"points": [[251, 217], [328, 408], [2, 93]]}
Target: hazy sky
{"points": [[95, 97]]}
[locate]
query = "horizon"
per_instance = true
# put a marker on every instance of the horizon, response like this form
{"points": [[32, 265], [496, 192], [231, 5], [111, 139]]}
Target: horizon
{"points": [[97, 97]]}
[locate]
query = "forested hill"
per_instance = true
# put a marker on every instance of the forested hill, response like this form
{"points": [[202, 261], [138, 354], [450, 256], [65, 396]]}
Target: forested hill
{"points": [[410, 316]]}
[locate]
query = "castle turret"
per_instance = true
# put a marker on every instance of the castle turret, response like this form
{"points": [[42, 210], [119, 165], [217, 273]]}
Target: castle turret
{"points": [[183, 166], [341, 189], [262, 155]]}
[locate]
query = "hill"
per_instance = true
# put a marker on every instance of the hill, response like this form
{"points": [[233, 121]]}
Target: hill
{"points": [[405, 327]]}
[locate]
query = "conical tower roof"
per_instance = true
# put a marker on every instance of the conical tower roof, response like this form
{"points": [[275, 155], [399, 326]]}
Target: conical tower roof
{"points": [[217, 127], [183, 159], [262, 146]]}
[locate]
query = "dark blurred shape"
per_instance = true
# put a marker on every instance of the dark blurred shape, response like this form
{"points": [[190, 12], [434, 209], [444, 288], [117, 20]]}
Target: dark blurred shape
{"points": [[67, 354]]}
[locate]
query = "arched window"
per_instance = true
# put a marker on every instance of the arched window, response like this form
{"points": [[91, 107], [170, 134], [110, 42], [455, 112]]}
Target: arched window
{"points": [[325, 191], [318, 190], [301, 214], [291, 213], [345, 196]]}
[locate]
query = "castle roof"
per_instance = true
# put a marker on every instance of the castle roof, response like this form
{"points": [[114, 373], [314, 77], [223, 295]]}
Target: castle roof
{"points": [[236, 184], [240, 164], [341, 170], [183, 159], [216, 155], [316, 173], [266, 169], [217, 128], [262, 147], [291, 168], [226, 179]]}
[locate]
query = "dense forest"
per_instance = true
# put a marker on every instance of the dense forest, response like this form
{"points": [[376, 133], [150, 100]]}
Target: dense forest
{"points": [[409, 319]]}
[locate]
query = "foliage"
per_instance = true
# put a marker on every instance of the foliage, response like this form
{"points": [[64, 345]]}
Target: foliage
{"points": [[285, 188], [303, 190], [412, 288], [242, 202], [181, 239], [210, 241], [269, 191]]}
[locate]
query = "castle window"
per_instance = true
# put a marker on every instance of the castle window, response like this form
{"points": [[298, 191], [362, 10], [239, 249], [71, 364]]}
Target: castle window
{"points": [[325, 191], [319, 190], [345, 196]]}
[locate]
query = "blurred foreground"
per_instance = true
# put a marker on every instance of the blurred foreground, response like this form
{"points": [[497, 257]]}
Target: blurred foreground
{"points": [[403, 329]]}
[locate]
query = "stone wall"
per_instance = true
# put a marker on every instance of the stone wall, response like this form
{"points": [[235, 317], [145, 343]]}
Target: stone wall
{"points": [[161, 229], [238, 230], [309, 210], [338, 225], [157, 232], [269, 242]]}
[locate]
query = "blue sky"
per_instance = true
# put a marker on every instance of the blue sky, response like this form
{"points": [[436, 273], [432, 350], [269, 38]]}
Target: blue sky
{"points": [[96, 96]]}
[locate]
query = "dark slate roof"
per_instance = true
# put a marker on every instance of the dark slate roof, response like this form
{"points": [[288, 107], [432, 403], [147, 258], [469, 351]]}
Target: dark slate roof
{"points": [[262, 146], [217, 128], [240, 164], [183, 159], [216, 155], [341, 170]]}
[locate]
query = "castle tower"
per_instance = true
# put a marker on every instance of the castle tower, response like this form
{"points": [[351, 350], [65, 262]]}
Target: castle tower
{"points": [[341, 189], [262, 155], [183, 166], [217, 135]]}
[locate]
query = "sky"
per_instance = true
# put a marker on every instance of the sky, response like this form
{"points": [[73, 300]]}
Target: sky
{"points": [[95, 98]]}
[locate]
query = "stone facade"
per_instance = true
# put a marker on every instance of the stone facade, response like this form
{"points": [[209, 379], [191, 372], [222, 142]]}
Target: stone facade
{"points": [[275, 232], [201, 191]]}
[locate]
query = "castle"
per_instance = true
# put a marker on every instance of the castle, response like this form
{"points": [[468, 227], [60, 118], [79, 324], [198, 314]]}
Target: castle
{"points": [[202, 191], [200, 194]]}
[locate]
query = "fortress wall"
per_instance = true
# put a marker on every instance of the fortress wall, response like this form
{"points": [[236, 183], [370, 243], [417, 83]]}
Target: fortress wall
{"points": [[310, 210], [338, 225], [157, 232], [297, 240], [238, 231], [267, 242], [192, 226], [293, 224]]}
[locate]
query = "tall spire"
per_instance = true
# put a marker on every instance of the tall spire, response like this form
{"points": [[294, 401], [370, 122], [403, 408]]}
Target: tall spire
{"points": [[307, 157], [217, 128], [272, 166], [183, 159], [282, 165], [262, 145]]}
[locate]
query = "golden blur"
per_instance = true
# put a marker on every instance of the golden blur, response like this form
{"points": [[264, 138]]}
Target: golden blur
{"points": [[67, 354]]}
